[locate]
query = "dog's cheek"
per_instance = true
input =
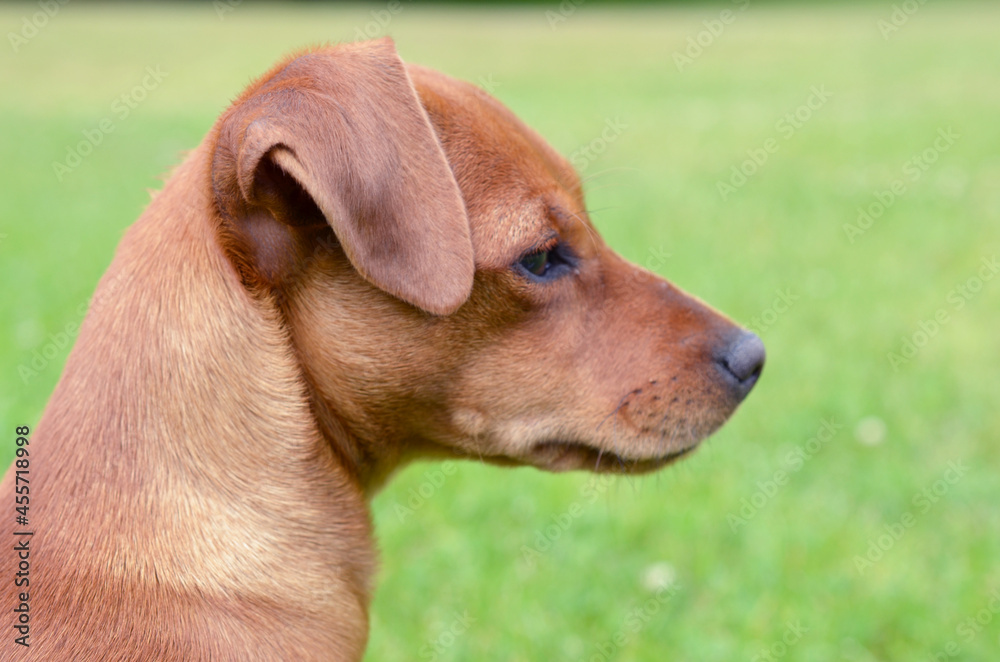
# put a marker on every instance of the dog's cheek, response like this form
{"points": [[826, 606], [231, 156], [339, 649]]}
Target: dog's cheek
{"points": [[520, 382], [380, 363]]}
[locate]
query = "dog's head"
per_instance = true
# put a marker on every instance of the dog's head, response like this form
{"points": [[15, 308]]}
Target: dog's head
{"points": [[443, 286]]}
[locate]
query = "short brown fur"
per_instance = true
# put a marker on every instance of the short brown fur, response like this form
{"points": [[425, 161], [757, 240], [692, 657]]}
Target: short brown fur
{"points": [[323, 291]]}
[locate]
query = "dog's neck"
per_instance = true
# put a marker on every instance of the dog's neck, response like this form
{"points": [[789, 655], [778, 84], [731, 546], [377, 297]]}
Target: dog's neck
{"points": [[185, 403], [370, 461]]}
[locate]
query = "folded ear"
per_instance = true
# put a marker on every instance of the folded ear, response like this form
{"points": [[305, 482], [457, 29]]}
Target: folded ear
{"points": [[344, 127]]}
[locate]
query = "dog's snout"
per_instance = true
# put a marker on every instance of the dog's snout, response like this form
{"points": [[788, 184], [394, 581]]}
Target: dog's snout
{"points": [[741, 361]]}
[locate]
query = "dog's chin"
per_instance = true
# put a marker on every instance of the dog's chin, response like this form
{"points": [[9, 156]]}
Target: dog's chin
{"points": [[573, 456]]}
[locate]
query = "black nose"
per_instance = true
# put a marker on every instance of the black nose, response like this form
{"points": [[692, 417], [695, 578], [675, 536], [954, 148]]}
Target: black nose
{"points": [[741, 361]]}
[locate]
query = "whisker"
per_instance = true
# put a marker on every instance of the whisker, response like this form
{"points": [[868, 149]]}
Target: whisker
{"points": [[591, 212], [591, 232], [614, 439], [621, 403], [601, 173], [603, 186]]}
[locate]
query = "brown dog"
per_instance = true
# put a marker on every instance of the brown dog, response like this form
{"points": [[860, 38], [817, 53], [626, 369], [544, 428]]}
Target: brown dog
{"points": [[361, 264]]}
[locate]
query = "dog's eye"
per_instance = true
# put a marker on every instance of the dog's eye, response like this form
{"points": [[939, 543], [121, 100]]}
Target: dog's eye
{"points": [[547, 264], [537, 264]]}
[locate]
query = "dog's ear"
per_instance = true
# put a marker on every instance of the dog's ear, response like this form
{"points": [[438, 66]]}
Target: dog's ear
{"points": [[342, 131]]}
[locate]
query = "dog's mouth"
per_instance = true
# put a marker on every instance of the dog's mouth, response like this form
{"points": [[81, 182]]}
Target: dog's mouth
{"points": [[568, 456]]}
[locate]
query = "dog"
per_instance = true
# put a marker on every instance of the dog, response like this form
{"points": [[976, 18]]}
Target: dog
{"points": [[363, 263]]}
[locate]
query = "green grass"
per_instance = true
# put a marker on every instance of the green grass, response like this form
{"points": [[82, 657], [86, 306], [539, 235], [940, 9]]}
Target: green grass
{"points": [[653, 191]]}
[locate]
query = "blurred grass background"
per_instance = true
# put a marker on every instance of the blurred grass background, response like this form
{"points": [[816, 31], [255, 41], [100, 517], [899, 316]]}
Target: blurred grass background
{"points": [[787, 581]]}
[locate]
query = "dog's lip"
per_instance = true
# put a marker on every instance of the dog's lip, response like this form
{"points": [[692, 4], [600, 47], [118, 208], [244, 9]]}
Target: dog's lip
{"points": [[561, 455]]}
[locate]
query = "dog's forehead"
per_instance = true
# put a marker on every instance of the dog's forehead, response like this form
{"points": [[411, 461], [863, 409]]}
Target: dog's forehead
{"points": [[517, 189]]}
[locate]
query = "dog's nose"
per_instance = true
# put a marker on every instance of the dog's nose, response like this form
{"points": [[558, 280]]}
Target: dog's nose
{"points": [[741, 361]]}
